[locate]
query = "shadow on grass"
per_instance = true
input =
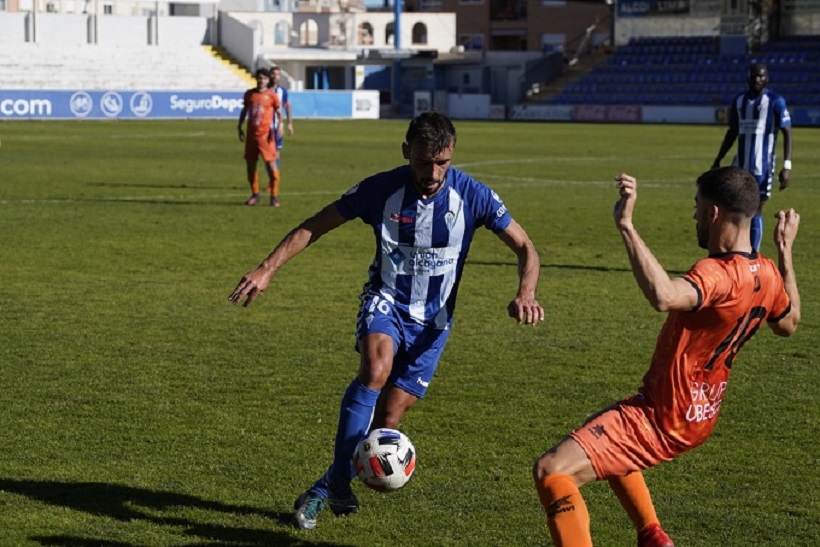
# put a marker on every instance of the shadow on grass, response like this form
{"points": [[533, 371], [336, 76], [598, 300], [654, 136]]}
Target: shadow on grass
{"points": [[513, 264], [126, 504], [567, 267]]}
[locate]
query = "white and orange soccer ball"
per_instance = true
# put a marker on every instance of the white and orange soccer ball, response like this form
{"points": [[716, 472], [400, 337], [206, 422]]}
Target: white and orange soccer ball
{"points": [[385, 460]]}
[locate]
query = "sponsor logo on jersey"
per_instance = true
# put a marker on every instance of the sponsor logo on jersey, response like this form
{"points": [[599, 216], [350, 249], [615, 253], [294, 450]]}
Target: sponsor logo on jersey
{"points": [[396, 217]]}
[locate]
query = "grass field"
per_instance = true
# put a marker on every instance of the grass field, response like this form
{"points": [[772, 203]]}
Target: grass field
{"points": [[139, 408]]}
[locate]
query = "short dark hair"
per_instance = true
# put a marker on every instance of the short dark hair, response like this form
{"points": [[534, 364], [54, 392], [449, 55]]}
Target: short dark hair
{"points": [[732, 188], [431, 130], [754, 68], [262, 71]]}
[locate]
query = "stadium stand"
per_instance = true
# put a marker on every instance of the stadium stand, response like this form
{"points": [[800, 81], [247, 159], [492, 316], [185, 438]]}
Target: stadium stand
{"points": [[691, 71], [93, 67]]}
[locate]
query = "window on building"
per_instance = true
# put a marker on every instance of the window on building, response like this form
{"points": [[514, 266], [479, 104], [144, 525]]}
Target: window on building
{"points": [[419, 33], [365, 34], [309, 33], [471, 42], [388, 34], [508, 10], [281, 33]]}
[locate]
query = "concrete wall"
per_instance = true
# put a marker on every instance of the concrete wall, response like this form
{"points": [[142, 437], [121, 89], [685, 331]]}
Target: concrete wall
{"points": [[239, 39], [118, 30], [637, 27], [69, 29], [13, 27], [440, 28]]}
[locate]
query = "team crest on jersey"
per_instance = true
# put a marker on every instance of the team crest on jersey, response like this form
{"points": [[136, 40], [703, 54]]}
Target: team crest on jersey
{"points": [[449, 219]]}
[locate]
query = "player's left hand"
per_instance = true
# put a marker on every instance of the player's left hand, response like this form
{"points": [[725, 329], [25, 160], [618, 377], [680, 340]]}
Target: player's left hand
{"points": [[627, 186], [788, 221], [250, 286], [784, 177], [526, 310]]}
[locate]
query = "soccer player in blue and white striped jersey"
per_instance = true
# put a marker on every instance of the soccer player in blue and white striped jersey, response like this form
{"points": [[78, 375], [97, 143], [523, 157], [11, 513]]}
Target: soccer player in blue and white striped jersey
{"points": [[423, 216], [755, 118]]}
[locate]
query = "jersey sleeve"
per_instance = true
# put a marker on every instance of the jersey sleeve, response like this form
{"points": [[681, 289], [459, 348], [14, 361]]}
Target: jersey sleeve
{"points": [[351, 203], [487, 207], [782, 111], [709, 279], [363, 200], [782, 304]]}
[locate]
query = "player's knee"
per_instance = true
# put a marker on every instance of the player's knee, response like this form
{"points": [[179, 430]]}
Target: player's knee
{"points": [[547, 464], [375, 372]]}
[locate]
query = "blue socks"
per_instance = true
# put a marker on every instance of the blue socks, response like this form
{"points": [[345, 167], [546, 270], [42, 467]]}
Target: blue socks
{"points": [[757, 232], [355, 415]]}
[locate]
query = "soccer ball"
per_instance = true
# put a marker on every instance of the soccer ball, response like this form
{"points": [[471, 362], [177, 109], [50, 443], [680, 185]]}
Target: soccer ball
{"points": [[385, 460]]}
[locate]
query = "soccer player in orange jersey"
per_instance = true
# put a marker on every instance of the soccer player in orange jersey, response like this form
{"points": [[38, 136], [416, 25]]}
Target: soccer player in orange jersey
{"points": [[714, 308], [260, 105]]}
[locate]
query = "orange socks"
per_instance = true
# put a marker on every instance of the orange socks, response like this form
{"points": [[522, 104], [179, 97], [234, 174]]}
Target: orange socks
{"points": [[567, 515], [634, 497]]}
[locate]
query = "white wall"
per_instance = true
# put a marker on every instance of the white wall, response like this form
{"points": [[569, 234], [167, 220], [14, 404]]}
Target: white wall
{"points": [[58, 29], [636, 27], [182, 30], [118, 30], [12, 27], [72, 29], [441, 27]]}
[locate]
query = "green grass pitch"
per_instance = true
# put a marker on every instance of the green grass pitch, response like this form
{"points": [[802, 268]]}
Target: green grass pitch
{"points": [[139, 408]]}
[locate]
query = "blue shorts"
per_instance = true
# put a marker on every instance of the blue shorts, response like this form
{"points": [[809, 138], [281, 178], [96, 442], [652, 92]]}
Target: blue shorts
{"points": [[764, 183], [416, 348]]}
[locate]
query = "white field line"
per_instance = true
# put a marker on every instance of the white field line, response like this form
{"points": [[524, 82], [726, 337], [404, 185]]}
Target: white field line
{"points": [[494, 180]]}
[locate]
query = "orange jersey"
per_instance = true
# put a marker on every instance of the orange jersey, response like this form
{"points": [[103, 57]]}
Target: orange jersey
{"points": [[261, 106], [695, 350]]}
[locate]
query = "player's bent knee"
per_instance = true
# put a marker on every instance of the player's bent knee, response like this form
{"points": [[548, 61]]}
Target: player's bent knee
{"points": [[545, 466]]}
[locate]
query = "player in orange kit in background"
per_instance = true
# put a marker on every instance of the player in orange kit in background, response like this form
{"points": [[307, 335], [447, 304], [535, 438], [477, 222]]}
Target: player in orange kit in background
{"points": [[260, 105], [714, 309]]}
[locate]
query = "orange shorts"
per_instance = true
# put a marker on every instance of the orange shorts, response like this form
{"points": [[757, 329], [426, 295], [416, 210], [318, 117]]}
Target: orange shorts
{"points": [[623, 438], [261, 146]]}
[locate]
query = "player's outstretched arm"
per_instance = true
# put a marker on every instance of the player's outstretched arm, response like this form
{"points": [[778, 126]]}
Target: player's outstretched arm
{"points": [[242, 114], [728, 141], [256, 281], [663, 293], [524, 308], [785, 232]]}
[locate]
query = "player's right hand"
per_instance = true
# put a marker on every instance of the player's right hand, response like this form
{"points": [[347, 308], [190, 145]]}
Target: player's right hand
{"points": [[241, 135]]}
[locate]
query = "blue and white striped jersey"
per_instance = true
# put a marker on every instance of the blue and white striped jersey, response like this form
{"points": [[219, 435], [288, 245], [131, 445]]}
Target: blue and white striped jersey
{"points": [[421, 244], [757, 121]]}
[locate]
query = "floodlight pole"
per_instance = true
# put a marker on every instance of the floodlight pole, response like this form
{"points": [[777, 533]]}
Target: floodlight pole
{"points": [[396, 91]]}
